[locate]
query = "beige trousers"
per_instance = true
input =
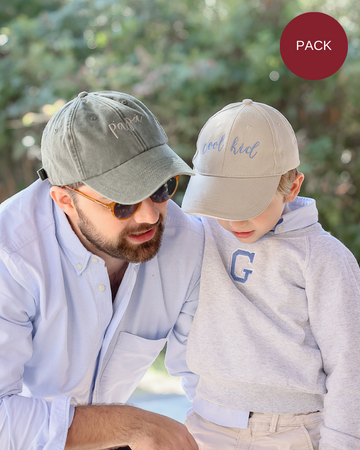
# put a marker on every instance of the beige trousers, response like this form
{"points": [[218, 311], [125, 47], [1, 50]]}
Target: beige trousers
{"points": [[265, 431]]}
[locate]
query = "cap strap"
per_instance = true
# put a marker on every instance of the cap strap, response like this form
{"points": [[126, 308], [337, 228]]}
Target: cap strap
{"points": [[42, 174]]}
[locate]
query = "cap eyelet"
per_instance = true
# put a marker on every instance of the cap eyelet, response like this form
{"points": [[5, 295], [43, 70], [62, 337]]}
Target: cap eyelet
{"points": [[124, 102]]}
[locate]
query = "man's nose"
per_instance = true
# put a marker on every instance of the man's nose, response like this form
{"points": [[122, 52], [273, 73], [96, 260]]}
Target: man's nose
{"points": [[148, 212]]}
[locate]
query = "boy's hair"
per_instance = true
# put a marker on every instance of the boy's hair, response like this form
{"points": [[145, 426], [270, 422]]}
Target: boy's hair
{"points": [[286, 182]]}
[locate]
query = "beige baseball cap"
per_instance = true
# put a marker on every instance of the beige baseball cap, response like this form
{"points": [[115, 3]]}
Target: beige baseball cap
{"points": [[241, 153]]}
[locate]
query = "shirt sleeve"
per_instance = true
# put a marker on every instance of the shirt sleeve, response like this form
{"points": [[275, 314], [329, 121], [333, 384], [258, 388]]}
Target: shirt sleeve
{"points": [[175, 359], [25, 422], [333, 291]]}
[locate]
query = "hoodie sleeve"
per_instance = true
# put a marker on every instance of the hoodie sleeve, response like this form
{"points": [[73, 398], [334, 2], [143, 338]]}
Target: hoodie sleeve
{"points": [[333, 291]]}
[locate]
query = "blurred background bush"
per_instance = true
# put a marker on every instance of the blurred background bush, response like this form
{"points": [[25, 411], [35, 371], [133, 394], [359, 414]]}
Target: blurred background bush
{"points": [[185, 59]]}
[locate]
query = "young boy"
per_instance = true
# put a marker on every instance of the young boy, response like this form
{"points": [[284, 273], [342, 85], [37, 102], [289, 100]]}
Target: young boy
{"points": [[275, 340]]}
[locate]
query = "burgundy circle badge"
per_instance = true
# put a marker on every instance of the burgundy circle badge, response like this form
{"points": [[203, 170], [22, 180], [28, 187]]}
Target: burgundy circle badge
{"points": [[313, 46]]}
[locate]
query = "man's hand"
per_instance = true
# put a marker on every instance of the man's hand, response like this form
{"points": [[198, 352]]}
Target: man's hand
{"points": [[112, 426], [162, 433]]}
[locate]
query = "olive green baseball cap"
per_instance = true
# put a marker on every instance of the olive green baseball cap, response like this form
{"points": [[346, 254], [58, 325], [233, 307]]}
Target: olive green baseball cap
{"points": [[111, 142]]}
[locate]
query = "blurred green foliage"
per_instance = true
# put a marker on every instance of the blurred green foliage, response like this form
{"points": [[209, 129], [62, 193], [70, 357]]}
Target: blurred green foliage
{"points": [[185, 60]]}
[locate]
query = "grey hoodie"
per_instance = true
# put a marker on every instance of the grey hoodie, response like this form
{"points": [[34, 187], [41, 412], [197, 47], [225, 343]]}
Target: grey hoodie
{"points": [[277, 329]]}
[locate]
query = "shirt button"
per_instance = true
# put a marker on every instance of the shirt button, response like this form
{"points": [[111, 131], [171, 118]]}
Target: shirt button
{"points": [[101, 288], [94, 260], [79, 267], [280, 228]]}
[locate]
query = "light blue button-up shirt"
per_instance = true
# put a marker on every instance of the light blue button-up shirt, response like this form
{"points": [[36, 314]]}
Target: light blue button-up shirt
{"points": [[63, 342]]}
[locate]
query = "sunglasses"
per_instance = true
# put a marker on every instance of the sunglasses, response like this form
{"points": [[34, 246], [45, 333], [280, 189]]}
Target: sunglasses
{"points": [[122, 212]]}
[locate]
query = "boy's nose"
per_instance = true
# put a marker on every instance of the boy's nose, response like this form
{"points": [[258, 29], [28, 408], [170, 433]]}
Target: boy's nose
{"points": [[238, 225]]}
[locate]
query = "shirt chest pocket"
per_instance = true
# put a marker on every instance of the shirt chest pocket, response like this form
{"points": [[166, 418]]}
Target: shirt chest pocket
{"points": [[130, 358]]}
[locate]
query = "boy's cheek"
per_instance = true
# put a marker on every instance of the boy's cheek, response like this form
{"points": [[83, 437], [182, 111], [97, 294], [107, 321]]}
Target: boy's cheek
{"points": [[224, 224]]}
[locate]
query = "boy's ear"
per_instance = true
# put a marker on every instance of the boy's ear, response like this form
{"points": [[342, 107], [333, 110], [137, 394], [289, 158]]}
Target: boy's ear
{"points": [[295, 187], [63, 199]]}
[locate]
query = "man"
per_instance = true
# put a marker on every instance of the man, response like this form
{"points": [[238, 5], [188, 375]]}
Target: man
{"points": [[97, 271]]}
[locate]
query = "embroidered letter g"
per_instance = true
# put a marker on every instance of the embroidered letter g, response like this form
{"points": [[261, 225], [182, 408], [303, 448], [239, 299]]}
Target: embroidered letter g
{"points": [[245, 272]]}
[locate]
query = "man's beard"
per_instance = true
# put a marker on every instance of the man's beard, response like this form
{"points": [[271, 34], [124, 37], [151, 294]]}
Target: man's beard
{"points": [[122, 248]]}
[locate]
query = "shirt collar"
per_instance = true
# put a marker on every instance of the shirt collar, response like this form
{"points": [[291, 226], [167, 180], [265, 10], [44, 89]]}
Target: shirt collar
{"points": [[71, 245], [300, 213]]}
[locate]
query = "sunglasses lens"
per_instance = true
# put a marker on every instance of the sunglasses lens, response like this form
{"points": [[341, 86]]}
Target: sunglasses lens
{"points": [[124, 211], [166, 191]]}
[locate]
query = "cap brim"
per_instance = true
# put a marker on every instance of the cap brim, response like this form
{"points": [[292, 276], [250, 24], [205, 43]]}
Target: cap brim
{"points": [[229, 198], [138, 178]]}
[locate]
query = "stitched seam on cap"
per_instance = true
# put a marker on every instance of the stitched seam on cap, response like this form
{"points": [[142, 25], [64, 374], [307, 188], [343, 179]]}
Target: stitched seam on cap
{"points": [[70, 126], [265, 114], [237, 176], [157, 164], [231, 128], [113, 168]]}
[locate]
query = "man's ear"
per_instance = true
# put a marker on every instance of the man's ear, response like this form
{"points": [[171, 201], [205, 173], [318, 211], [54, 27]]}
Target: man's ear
{"points": [[295, 187], [63, 199]]}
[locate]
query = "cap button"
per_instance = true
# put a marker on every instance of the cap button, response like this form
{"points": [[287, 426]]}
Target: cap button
{"points": [[82, 94], [247, 101]]}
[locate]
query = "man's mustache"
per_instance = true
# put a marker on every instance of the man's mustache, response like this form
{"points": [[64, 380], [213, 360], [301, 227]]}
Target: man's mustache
{"points": [[144, 227]]}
